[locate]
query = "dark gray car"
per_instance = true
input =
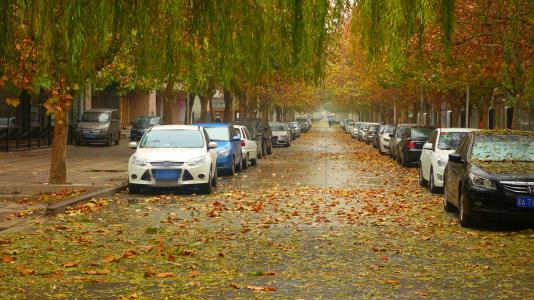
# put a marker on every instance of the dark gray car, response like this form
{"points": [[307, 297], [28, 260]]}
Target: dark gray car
{"points": [[99, 126]]}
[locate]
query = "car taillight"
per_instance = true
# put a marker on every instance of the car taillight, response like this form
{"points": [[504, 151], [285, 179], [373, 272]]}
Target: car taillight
{"points": [[410, 144], [242, 143]]}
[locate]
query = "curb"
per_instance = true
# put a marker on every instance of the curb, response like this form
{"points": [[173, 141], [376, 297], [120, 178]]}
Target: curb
{"points": [[60, 207]]}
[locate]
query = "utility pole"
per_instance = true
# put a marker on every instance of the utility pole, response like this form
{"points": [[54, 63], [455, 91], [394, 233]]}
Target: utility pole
{"points": [[467, 108], [422, 108]]}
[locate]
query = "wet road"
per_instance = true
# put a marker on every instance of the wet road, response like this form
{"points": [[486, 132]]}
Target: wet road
{"points": [[326, 218]]}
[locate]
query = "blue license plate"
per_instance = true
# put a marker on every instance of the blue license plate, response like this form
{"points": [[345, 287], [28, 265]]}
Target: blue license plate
{"points": [[524, 202], [90, 135], [172, 174]]}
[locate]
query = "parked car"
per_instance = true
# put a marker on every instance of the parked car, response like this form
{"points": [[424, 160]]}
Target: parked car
{"points": [[304, 124], [435, 155], [99, 126], [411, 144], [384, 138], [229, 152], [377, 135], [141, 125], [248, 145], [251, 127], [295, 130], [349, 126], [395, 138], [356, 129], [372, 129], [491, 174], [262, 129], [173, 156], [281, 134], [363, 131]]}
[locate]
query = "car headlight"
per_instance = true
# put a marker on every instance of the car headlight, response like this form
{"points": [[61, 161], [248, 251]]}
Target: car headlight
{"points": [[441, 162], [103, 130], [197, 161], [138, 161], [480, 181], [223, 152]]}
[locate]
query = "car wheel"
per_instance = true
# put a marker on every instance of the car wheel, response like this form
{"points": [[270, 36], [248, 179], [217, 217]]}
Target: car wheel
{"points": [[466, 220], [253, 162], [77, 143], [447, 205], [133, 188], [270, 149], [433, 188], [245, 163], [109, 141], [422, 180], [205, 188], [118, 140], [214, 180], [239, 167]]}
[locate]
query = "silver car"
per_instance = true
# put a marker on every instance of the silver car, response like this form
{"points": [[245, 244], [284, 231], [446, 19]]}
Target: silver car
{"points": [[99, 126]]}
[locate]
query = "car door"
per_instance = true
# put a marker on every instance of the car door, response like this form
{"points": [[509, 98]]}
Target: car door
{"points": [[454, 171], [427, 155]]}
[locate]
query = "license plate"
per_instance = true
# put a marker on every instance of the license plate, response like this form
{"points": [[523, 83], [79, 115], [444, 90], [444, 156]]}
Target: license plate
{"points": [[166, 174], [90, 135], [524, 202]]}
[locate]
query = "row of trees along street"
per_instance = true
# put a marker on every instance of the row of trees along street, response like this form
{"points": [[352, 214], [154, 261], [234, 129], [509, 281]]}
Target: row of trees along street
{"points": [[368, 55]]}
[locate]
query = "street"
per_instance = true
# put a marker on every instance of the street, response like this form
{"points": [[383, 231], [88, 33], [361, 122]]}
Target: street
{"points": [[326, 218]]}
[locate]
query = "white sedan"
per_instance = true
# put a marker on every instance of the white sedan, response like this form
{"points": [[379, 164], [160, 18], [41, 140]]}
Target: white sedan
{"points": [[173, 156], [435, 155], [383, 139], [248, 146]]}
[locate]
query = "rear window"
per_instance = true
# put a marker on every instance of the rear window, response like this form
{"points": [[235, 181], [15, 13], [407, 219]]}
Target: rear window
{"points": [[374, 128], [450, 140], [504, 148], [218, 133], [421, 132]]}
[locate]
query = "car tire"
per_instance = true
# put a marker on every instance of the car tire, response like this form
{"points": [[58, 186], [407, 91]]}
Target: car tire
{"points": [[239, 167], [447, 205], [253, 162], [133, 188], [431, 184], [118, 140], [205, 188], [422, 181], [77, 143], [466, 220], [214, 180], [109, 141], [270, 149], [245, 163]]}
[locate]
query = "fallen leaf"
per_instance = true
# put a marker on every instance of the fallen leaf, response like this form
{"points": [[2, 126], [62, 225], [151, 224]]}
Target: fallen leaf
{"points": [[392, 282], [69, 264], [26, 272], [8, 259], [165, 275], [98, 272]]}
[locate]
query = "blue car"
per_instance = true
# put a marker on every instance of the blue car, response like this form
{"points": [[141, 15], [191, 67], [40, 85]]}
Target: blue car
{"points": [[229, 154]]}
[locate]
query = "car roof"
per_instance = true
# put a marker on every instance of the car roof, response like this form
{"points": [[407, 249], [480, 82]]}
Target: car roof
{"points": [[213, 124], [182, 127], [100, 110], [457, 129]]}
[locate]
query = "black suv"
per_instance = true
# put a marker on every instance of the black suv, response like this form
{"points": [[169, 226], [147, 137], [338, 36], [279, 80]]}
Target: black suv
{"points": [[410, 146], [141, 125], [263, 133]]}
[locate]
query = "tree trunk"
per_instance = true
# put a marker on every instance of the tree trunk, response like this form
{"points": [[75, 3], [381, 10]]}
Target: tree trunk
{"points": [[212, 113], [228, 101], [191, 102], [203, 109], [168, 102], [58, 159]]}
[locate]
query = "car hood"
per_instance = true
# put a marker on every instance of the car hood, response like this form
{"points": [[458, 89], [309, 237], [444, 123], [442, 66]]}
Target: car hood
{"points": [[92, 125], [505, 170], [279, 132], [169, 154]]}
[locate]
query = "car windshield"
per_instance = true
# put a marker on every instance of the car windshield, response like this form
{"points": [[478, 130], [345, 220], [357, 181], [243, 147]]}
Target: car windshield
{"points": [[421, 132], [278, 127], [100, 117], [218, 133], [389, 129], [172, 138], [450, 140], [374, 128], [147, 120], [503, 147]]}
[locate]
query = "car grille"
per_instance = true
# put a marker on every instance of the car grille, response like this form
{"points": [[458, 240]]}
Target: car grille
{"points": [[166, 164], [519, 187]]}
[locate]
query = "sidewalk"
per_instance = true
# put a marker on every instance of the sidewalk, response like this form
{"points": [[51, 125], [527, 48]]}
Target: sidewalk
{"points": [[25, 175]]}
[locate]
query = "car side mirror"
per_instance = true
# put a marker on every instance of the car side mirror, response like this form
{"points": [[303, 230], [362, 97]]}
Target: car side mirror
{"points": [[212, 145], [455, 158], [390, 135], [236, 138], [428, 146], [132, 145]]}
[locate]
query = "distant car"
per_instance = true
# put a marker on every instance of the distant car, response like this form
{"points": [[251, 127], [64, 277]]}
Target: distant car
{"points": [[141, 125], [295, 130], [435, 155], [248, 145], [263, 130], [99, 126], [173, 156], [491, 174], [356, 129], [362, 133], [372, 129], [257, 137], [349, 126], [411, 144], [229, 152], [395, 138], [384, 138], [281, 134], [304, 123]]}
